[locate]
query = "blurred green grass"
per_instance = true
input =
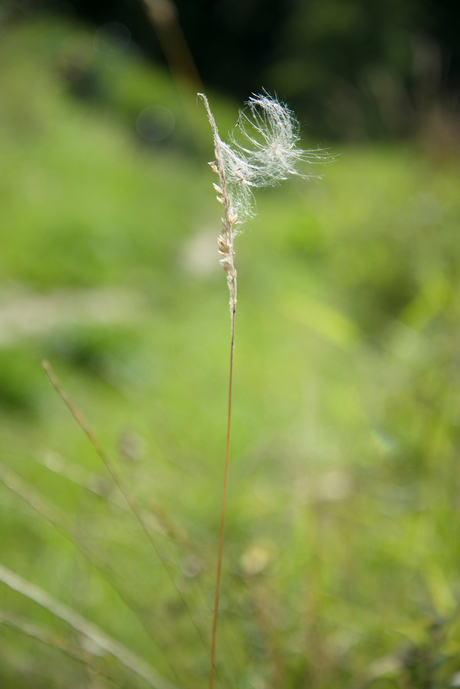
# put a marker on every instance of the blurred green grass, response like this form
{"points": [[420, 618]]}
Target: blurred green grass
{"points": [[341, 559]]}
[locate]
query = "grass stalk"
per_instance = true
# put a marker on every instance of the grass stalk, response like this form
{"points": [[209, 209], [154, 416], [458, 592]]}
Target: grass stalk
{"points": [[265, 154], [224, 508], [225, 245]]}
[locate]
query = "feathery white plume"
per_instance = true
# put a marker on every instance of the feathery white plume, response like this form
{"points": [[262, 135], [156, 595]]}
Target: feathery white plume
{"points": [[265, 150]]}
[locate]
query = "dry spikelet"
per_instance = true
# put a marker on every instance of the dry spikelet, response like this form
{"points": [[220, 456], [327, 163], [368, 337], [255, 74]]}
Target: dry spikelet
{"points": [[263, 152]]}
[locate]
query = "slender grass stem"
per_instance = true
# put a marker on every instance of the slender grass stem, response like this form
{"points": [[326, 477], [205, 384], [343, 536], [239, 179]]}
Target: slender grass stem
{"points": [[224, 507], [53, 640], [271, 133]]}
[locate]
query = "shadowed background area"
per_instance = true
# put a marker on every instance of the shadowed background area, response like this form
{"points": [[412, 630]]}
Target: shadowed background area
{"points": [[341, 564], [351, 68]]}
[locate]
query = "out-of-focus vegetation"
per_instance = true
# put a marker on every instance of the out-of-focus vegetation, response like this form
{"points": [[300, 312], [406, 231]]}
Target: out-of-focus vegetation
{"points": [[341, 560], [353, 69]]}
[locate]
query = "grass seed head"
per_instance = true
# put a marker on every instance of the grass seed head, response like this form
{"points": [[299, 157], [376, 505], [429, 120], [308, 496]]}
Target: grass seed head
{"points": [[262, 152]]}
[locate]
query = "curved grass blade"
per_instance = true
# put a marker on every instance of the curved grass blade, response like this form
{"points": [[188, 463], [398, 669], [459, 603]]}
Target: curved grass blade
{"points": [[80, 624]]}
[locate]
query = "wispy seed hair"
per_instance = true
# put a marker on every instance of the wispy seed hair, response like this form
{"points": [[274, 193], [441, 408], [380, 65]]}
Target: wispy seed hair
{"points": [[264, 150]]}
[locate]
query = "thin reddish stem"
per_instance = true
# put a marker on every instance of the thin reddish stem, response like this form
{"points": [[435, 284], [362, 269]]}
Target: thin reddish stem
{"points": [[224, 506]]}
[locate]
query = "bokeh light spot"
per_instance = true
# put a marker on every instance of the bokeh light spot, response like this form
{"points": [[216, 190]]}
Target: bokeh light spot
{"points": [[155, 123], [112, 39]]}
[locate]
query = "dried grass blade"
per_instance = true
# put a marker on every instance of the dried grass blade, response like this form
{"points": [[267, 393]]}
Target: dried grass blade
{"points": [[90, 630], [84, 425], [49, 638], [59, 521]]}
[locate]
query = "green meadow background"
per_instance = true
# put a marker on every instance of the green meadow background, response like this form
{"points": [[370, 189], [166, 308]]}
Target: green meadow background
{"points": [[342, 553]]}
